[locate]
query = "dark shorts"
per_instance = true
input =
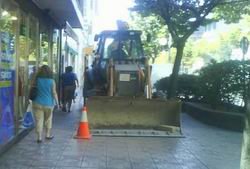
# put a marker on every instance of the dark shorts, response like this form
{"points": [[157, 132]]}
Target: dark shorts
{"points": [[69, 93]]}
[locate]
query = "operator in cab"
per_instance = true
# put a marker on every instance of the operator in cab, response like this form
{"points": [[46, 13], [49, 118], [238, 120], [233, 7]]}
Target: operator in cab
{"points": [[116, 52]]}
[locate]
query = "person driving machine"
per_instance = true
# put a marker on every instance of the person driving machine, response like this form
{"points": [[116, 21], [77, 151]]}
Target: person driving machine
{"points": [[117, 51]]}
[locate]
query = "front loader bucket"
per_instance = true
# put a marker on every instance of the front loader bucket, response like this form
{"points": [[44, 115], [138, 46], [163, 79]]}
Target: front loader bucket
{"points": [[133, 115]]}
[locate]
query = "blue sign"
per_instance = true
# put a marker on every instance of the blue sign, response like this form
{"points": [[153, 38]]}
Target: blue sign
{"points": [[7, 79]]}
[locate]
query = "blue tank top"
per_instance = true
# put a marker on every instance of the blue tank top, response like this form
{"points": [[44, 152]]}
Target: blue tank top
{"points": [[44, 94]]}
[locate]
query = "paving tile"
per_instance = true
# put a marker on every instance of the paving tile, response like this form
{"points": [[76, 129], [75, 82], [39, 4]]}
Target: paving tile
{"points": [[168, 166], [93, 162], [93, 168], [119, 167], [143, 164], [69, 163], [204, 147], [44, 163], [123, 163], [14, 166], [37, 167]]}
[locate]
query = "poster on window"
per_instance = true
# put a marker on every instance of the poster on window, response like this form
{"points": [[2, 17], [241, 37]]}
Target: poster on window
{"points": [[7, 76]]}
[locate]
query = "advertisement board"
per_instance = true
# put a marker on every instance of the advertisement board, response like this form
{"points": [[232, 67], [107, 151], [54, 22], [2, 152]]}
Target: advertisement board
{"points": [[7, 78]]}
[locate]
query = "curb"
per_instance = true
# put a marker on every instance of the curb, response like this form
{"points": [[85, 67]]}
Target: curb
{"points": [[226, 120]]}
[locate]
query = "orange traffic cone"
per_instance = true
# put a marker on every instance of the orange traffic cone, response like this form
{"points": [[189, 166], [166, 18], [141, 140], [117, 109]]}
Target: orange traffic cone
{"points": [[83, 129]]}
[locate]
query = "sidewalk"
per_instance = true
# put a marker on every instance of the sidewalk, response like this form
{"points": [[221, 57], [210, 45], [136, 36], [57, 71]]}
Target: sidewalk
{"points": [[204, 147]]}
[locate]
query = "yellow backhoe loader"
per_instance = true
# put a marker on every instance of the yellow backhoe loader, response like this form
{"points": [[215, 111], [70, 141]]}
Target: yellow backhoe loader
{"points": [[119, 92]]}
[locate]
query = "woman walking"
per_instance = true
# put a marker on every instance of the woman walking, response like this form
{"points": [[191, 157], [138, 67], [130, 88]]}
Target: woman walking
{"points": [[44, 102]]}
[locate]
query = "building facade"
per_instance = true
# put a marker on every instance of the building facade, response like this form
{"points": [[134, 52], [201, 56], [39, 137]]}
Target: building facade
{"points": [[33, 33]]}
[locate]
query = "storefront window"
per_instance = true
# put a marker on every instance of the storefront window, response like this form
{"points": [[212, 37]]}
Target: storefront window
{"points": [[44, 46], [27, 57], [55, 52], [8, 22], [70, 51], [33, 47], [22, 60]]}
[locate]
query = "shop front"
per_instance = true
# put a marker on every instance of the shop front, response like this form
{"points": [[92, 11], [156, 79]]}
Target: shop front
{"points": [[27, 41]]}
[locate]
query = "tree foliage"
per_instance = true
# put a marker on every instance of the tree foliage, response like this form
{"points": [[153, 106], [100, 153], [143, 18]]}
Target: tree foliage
{"points": [[150, 25], [218, 48], [231, 11], [218, 44], [183, 17]]}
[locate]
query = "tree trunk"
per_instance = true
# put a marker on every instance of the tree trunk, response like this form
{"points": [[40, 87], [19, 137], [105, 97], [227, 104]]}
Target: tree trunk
{"points": [[153, 60], [155, 55], [174, 76]]}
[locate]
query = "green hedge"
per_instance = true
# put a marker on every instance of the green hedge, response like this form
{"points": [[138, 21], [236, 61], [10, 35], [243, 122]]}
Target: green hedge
{"points": [[217, 84], [187, 86]]}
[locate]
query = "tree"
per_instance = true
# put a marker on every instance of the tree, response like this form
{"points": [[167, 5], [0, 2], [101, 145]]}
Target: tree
{"points": [[151, 25], [217, 45], [183, 17]]}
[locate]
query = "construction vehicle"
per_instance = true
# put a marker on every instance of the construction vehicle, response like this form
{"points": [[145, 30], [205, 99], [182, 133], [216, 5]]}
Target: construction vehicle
{"points": [[118, 90]]}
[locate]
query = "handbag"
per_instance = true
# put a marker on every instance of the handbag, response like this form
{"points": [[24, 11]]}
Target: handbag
{"points": [[33, 91]]}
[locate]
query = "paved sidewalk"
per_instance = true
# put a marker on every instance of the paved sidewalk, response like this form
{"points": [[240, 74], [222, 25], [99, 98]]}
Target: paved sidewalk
{"points": [[204, 147]]}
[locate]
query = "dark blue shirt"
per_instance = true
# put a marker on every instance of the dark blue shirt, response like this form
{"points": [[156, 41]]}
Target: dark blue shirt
{"points": [[68, 79]]}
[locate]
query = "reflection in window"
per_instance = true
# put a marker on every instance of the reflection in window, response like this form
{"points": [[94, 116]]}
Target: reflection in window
{"points": [[108, 47], [55, 53], [22, 57], [8, 21], [44, 47], [33, 54]]}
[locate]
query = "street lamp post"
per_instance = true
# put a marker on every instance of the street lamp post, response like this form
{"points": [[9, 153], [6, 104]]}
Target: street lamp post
{"points": [[245, 150], [244, 43]]}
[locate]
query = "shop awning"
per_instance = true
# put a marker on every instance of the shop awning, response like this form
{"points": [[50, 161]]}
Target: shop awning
{"points": [[63, 10]]}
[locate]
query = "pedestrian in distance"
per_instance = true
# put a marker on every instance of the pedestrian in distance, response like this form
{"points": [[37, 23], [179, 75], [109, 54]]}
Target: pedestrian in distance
{"points": [[44, 102], [69, 84]]}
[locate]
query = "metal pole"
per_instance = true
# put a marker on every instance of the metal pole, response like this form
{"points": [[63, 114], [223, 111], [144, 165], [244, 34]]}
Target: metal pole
{"points": [[111, 75], [244, 43], [84, 84], [244, 83], [245, 150]]}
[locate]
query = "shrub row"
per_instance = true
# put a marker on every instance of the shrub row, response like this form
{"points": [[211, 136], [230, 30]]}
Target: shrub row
{"points": [[221, 85]]}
